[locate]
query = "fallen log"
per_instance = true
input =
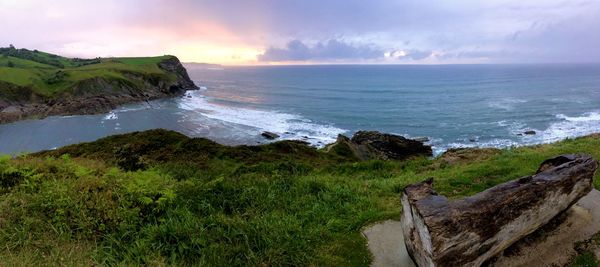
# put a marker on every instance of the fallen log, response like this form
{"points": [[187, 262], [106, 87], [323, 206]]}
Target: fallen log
{"points": [[470, 231]]}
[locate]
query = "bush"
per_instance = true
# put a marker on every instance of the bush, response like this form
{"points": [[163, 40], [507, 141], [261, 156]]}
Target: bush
{"points": [[56, 77]]}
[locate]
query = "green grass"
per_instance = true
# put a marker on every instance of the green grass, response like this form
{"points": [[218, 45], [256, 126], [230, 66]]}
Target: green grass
{"points": [[17, 76], [585, 259], [141, 61], [159, 198], [50, 76], [585, 256]]}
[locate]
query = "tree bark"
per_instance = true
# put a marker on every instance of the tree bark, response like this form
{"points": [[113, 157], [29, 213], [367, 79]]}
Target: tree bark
{"points": [[470, 231]]}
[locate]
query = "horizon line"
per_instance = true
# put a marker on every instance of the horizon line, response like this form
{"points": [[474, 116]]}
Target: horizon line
{"points": [[389, 64]]}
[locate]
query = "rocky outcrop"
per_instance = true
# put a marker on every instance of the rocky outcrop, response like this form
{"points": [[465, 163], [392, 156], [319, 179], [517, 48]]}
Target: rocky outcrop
{"points": [[96, 95], [269, 135], [183, 81], [470, 231], [367, 145]]}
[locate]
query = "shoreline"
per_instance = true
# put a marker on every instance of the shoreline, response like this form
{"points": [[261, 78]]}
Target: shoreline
{"points": [[73, 107], [97, 94], [436, 153], [106, 110], [113, 104]]}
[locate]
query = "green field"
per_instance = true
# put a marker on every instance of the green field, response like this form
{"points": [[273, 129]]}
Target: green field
{"points": [[50, 76], [159, 198]]}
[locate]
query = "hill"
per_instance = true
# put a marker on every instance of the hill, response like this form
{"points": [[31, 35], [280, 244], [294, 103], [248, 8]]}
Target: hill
{"points": [[35, 84], [159, 198]]}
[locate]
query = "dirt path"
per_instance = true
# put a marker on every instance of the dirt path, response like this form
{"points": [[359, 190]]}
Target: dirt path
{"points": [[556, 246], [386, 243]]}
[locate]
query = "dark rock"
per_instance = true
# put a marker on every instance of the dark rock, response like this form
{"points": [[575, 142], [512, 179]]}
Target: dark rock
{"points": [[472, 140], [421, 139], [470, 231], [367, 145], [183, 82], [531, 132], [269, 135]]}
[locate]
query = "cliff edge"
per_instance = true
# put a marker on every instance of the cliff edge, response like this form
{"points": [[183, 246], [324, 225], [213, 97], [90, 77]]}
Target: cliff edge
{"points": [[35, 84]]}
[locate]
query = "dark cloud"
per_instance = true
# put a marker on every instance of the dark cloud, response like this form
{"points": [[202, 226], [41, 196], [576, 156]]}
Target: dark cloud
{"points": [[331, 50]]}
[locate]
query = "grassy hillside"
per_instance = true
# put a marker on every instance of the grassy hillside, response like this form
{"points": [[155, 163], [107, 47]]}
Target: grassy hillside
{"points": [[159, 198], [48, 76]]}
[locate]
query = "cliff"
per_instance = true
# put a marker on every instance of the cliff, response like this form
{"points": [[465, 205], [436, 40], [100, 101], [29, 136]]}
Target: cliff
{"points": [[35, 84]]}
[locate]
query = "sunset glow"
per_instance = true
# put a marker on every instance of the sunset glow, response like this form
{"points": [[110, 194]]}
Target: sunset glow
{"points": [[212, 53], [310, 32]]}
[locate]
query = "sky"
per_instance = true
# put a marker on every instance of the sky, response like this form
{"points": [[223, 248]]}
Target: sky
{"points": [[310, 31]]}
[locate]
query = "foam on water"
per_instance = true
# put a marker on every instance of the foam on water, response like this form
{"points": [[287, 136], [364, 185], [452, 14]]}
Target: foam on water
{"points": [[111, 116], [567, 126], [288, 126], [495, 142], [513, 126], [590, 116], [295, 127], [507, 104]]}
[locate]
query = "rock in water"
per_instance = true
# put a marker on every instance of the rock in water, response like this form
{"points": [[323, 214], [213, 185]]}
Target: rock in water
{"points": [[470, 231], [367, 145], [422, 139], [269, 135]]}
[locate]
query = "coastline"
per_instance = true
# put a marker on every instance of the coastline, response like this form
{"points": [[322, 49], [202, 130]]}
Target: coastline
{"points": [[110, 116], [99, 95]]}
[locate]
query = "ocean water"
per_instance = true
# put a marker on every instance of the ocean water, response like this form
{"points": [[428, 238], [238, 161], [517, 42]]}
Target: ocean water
{"points": [[452, 105]]}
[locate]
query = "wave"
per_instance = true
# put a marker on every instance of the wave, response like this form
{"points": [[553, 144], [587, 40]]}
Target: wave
{"points": [[507, 104], [111, 116], [514, 126], [288, 126], [590, 116], [567, 127], [495, 143]]}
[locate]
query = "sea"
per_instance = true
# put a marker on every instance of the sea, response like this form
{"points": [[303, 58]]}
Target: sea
{"points": [[450, 105]]}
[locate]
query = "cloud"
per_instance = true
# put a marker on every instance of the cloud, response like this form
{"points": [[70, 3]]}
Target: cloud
{"points": [[413, 54], [575, 39], [458, 31], [332, 50]]}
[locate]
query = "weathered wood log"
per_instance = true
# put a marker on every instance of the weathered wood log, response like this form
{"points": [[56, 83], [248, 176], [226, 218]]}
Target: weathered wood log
{"points": [[470, 231]]}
